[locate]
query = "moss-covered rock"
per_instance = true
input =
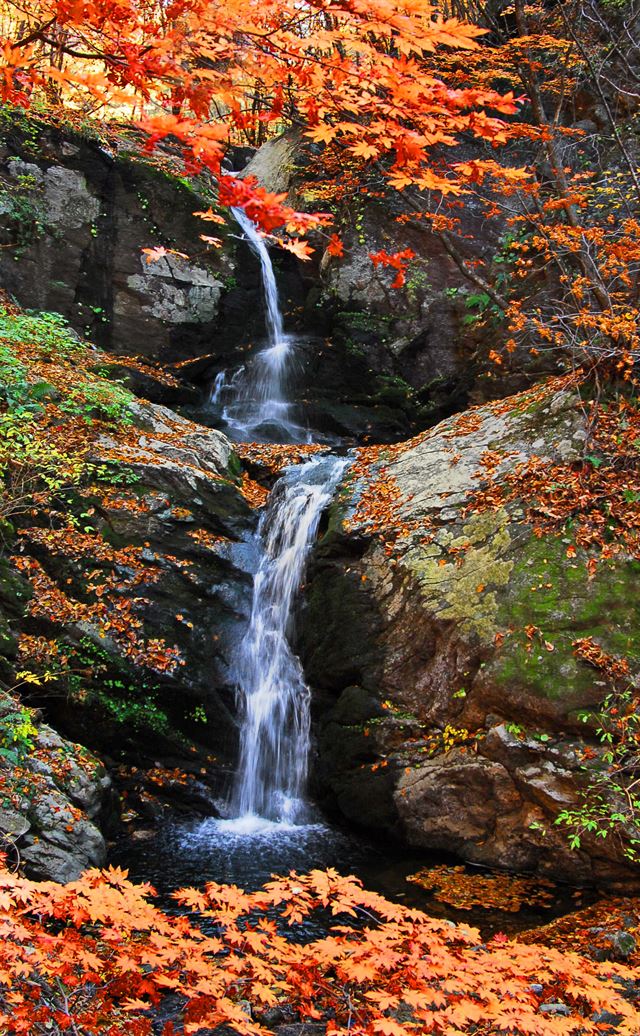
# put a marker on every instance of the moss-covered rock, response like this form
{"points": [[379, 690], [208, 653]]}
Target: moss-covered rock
{"points": [[459, 615]]}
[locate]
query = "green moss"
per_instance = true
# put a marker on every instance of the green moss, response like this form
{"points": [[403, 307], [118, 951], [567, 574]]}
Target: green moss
{"points": [[337, 513], [116, 689], [14, 120], [393, 391], [15, 591], [7, 641], [147, 171], [234, 467], [554, 594], [359, 320], [22, 206]]}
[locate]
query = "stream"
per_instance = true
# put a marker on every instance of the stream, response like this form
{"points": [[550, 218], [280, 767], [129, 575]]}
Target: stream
{"points": [[268, 825]]}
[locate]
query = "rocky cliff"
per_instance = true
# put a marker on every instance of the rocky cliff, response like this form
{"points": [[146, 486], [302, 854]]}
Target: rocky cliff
{"points": [[124, 591], [439, 633], [75, 213]]}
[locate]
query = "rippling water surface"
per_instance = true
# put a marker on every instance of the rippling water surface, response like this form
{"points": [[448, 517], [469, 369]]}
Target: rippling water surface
{"points": [[248, 851]]}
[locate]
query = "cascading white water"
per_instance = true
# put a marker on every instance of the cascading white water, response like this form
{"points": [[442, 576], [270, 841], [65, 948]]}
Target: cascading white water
{"points": [[224, 383], [275, 326], [218, 387], [253, 402], [273, 698], [273, 695]]}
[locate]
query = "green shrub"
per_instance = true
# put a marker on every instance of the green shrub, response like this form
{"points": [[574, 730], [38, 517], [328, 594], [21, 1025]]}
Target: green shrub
{"points": [[102, 400], [16, 736], [48, 333]]}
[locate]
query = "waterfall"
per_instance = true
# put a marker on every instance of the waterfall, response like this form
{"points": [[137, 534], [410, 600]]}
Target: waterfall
{"points": [[223, 384], [275, 326], [253, 402], [273, 696], [218, 388]]}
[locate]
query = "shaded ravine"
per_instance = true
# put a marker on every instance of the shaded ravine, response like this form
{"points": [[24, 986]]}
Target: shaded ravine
{"points": [[267, 825]]}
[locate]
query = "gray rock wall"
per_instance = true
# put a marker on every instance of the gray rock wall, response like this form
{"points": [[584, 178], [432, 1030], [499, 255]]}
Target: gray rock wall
{"points": [[74, 218]]}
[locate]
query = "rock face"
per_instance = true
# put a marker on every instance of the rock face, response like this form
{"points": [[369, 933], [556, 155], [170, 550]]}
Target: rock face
{"points": [[57, 792], [422, 334], [74, 217], [438, 638], [54, 793], [172, 596], [274, 165]]}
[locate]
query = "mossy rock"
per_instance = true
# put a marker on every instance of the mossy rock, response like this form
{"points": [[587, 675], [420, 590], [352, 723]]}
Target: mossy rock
{"points": [[464, 590], [555, 595], [15, 591]]}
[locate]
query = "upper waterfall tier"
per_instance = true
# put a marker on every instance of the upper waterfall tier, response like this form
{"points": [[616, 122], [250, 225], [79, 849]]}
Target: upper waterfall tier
{"points": [[253, 400]]}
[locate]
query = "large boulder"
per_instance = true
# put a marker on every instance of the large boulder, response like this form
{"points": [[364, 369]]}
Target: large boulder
{"points": [[57, 791], [438, 635], [54, 793]]}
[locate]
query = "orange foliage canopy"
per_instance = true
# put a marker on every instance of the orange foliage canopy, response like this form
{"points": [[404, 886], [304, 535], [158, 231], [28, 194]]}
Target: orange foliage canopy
{"points": [[356, 74], [96, 956]]}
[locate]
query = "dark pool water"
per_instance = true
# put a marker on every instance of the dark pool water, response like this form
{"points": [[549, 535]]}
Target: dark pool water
{"points": [[247, 853]]}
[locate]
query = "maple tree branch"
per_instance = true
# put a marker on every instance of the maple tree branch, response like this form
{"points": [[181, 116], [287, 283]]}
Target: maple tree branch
{"points": [[595, 76], [458, 258], [472, 275], [108, 59], [36, 34]]}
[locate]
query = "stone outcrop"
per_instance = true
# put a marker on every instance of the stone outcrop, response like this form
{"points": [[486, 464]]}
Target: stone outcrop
{"points": [[421, 333], [54, 793], [166, 546], [75, 214], [200, 308], [438, 638], [274, 165]]}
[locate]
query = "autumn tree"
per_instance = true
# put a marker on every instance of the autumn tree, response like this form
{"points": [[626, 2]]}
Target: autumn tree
{"points": [[203, 72], [565, 281], [391, 89]]}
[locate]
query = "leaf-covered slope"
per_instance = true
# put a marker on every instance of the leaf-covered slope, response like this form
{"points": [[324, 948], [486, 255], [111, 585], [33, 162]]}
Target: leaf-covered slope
{"points": [[120, 518]]}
